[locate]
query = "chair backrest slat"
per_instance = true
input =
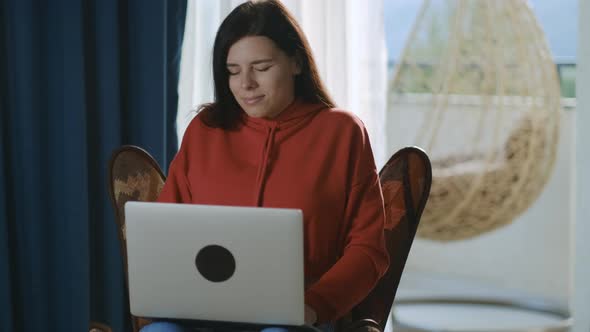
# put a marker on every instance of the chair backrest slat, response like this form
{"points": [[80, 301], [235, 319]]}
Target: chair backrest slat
{"points": [[405, 181], [134, 175]]}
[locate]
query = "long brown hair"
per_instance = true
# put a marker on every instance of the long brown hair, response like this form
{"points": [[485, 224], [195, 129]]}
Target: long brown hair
{"points": [[272, 20]]}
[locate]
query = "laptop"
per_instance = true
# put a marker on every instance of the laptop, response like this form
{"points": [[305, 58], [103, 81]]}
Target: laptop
{"points": [[215, 263]]}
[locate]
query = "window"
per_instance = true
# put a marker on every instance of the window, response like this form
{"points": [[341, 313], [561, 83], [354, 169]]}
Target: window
{"points": [[558, 20]]}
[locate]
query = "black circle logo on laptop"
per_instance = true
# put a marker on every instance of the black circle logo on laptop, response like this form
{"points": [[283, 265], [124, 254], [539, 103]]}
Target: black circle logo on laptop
{"points": [[215, 263]]}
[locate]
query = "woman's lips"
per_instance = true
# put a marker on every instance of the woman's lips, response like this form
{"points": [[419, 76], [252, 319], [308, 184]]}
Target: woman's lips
{"points": [[252, 101]]}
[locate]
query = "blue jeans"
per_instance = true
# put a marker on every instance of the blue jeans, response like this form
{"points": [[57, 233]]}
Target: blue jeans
{"points": [[171, 327], [163, 327]]}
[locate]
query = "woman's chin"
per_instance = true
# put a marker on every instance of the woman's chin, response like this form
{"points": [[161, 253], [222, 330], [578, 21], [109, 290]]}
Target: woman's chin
{"points": [[256, 112]]}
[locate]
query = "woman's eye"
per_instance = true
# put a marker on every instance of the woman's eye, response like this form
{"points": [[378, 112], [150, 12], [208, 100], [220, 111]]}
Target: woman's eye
{"points": [[263, 68], [233, 73]]}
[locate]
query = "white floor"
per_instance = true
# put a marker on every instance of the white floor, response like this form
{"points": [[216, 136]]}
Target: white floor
{"points": [[462, 317]]}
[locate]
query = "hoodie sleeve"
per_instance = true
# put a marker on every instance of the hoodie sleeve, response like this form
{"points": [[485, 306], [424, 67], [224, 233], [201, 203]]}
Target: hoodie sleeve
{"points": [[177, 187], [364, 259]]}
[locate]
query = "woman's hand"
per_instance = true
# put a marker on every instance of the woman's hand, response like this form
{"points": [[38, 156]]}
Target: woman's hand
{"points": [[310, 315]]}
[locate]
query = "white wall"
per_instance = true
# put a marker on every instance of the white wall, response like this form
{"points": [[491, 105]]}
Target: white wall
{"points": [[580, 292], [531, 255]]}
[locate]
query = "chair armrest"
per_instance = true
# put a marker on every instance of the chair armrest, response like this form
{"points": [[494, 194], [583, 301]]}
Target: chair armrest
{"points": [[140, 322], [99, 327], [363, 325]]}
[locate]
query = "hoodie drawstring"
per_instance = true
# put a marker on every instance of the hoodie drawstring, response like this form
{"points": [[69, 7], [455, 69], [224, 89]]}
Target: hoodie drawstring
{"points": [[262, 170]]}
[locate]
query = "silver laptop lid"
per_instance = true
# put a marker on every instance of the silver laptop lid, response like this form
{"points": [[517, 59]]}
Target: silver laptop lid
{"points": [[220, 263]]}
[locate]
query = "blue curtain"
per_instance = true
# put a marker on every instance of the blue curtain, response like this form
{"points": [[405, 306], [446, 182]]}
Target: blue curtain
{"points": [[78, 78]]}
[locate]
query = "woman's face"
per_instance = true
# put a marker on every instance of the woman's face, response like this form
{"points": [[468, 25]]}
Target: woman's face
{"points": [[261, 76]]}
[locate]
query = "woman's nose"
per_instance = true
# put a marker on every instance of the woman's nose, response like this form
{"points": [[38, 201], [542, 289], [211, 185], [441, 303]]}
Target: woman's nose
{"points": [[248, 81]]}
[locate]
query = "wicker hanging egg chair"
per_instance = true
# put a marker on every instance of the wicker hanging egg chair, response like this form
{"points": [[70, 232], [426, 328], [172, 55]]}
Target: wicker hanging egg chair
{"points": [[478, 89]]}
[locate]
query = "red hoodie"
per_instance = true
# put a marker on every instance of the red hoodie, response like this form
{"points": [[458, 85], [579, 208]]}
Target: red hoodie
{"points": [[311, 158]]}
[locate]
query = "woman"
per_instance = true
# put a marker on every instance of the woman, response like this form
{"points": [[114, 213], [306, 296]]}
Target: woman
{"points": [[273, 138]]}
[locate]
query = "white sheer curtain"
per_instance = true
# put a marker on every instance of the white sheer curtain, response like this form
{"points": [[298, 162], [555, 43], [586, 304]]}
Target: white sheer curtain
{"points": [[348, 42], [195, 85]]}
